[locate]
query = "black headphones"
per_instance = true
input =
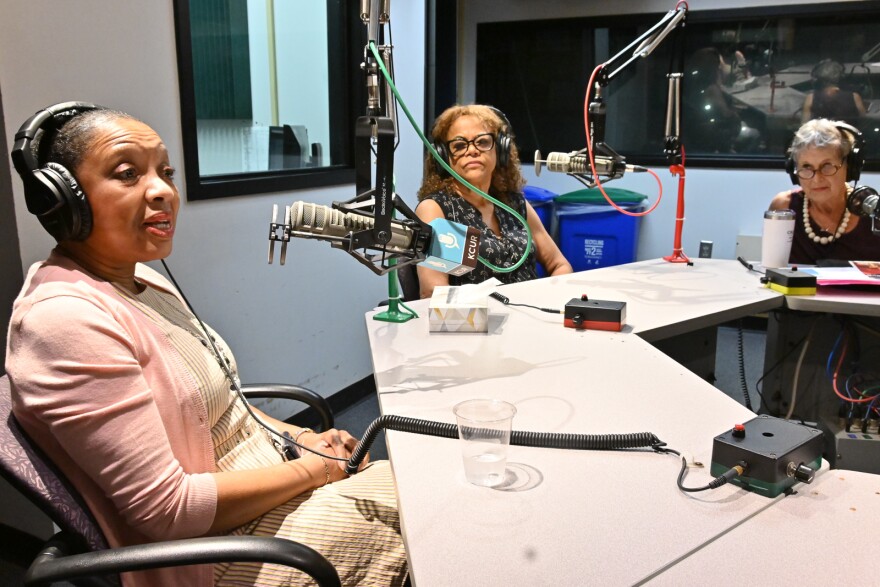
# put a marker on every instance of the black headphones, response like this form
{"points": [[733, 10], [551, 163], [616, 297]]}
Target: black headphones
{"points": [[855, 160], [502, 144], [50, 190]]}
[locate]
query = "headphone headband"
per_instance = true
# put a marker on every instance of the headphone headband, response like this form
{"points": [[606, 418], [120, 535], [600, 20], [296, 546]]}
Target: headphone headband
{"points": [[503, 142], [51, 193], [47, 119]]}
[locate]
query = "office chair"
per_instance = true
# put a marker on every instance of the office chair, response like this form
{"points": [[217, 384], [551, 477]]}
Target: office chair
{"points": [[79, 553], [408, 277], [408, 282]]}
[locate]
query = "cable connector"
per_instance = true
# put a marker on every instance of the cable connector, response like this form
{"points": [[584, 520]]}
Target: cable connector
{"points": [[728, 475], [288, 450], [506, 301], [732, 473], [501, 298]]}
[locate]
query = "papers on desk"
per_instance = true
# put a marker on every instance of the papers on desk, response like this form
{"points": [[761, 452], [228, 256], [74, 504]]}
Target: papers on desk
{"points": [[857, 273]]}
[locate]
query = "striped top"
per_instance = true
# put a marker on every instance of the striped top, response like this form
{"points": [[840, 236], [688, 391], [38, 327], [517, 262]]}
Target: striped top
{"points": [[239, 441], [353, 522]]}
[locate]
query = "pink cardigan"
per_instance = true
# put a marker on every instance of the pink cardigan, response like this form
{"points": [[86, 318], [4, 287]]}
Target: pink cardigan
{"points": [[99, 388]]}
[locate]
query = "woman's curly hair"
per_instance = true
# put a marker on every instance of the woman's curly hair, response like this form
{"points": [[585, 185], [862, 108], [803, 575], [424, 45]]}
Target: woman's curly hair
{"points": [[505, 180]]}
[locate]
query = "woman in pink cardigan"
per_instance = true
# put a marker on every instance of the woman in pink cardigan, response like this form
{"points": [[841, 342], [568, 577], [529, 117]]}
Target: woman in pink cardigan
{"points": [[117, 381]]}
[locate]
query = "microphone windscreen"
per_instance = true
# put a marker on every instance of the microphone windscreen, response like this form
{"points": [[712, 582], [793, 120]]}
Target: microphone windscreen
{"points": [[558, 162], [303, 214], [863, 201]]}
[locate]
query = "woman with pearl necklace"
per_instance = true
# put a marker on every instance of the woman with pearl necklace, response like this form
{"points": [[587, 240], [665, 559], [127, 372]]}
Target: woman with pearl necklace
{"points": [[824, 157]]}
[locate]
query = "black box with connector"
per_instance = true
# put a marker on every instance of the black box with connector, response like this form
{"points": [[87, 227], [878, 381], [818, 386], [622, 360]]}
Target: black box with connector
{"points": [[791, 282], [777, 454], [583, 313]]}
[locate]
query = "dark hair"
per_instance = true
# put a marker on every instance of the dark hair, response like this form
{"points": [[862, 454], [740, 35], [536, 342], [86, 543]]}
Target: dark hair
{"points": [[505, 180], [68, 144], [827, 73]]}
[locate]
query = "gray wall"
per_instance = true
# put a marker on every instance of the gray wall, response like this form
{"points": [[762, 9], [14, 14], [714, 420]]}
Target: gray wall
{"points": [[10, 256], [15, 510], [719, 204], [302, 323]]}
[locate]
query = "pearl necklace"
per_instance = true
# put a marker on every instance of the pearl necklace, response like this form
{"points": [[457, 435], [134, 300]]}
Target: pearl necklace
{"points": [[824, 240]]}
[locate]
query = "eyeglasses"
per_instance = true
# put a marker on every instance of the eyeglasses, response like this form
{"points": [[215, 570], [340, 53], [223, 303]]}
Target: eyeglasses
{"points": [[827, 169], [459, 145]]}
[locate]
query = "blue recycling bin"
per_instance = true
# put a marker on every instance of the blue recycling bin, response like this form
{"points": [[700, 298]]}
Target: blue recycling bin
{"points": [[543, 202], [592, 234]]}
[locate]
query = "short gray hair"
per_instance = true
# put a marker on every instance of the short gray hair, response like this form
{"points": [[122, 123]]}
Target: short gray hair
{"points": [[820, 133]]}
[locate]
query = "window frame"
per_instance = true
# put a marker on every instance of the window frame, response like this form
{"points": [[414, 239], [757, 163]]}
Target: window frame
{"points": [[345, 90], [697, 17]]}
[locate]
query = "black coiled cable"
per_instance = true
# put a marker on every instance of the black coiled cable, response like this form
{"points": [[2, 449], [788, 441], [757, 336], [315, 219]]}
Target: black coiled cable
{"points": [[517, 438], [741, 355]]}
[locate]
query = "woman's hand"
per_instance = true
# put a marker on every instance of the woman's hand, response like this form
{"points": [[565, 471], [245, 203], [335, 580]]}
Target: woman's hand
{"points": [[333, 443]]}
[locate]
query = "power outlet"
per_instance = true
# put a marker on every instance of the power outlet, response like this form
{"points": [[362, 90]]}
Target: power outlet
{"points": [[705, 249]]}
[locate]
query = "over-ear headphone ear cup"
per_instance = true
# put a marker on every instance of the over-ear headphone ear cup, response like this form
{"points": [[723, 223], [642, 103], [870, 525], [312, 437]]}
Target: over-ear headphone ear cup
{"points": [[504, 139], [441, 150], [502, 148], [74, 217], [856, 158]]}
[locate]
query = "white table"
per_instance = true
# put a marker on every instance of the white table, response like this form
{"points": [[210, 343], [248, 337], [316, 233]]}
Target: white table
{"points": [[838, 300], [805, 539], [663, 299], [568, 517]]}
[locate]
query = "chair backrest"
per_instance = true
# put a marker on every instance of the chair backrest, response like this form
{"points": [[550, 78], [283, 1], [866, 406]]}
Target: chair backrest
{"points": [[408, 277], [27, 469]]}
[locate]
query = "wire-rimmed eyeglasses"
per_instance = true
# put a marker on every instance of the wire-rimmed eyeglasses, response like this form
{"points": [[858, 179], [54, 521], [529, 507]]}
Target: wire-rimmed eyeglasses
{"points": [[827, 169], [482, 142]]}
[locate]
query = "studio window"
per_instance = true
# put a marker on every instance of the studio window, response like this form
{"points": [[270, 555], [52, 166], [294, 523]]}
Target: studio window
{"points": [[266, 94]]}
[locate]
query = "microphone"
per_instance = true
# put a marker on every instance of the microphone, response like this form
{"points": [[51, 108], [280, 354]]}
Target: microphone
{"points": [[443, 245], [324, 221], [577, 162], [863, 201]]}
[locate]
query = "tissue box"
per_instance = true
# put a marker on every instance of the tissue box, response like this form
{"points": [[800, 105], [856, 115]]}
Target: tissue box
{"points": [[449, 313]]}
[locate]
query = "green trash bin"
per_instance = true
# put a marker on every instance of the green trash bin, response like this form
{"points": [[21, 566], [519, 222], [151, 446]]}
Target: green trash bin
{"points": [[591, 233]]}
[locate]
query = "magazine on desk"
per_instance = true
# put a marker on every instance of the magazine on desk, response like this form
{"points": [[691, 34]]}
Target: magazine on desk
{"points": [[857, 273]]}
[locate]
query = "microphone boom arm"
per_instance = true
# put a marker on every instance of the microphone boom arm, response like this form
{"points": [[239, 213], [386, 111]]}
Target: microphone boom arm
{"points": [[614, 164], [668, 23], [376, 132]]}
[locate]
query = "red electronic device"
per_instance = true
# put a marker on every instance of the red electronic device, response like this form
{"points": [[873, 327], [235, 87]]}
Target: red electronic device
{"points": [[583, 313]]}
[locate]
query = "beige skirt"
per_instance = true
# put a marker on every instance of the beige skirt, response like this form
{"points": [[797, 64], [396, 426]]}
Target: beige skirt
{"points": [[353, 523]]}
